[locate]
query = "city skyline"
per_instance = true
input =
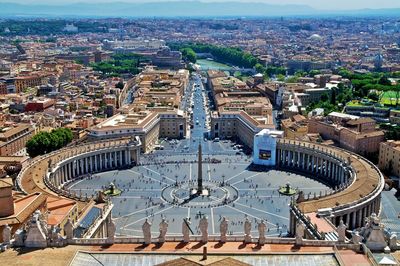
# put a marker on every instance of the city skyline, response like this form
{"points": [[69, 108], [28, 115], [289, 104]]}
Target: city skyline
{"points": [[333, 6]]}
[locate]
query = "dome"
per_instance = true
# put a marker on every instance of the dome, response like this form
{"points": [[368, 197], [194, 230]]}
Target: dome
{"points": [[315, 37]]}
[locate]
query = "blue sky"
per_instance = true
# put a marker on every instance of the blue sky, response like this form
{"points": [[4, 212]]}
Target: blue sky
{"points": [[318, 4]]}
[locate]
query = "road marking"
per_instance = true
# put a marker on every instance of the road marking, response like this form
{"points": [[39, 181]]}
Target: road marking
{"points": [[84, 179], [248, 214], [212, 220], [246, 178], [158, 173], [190, 172], [128, 197], [236, 175], [147, 177], [209, 172], [132, 213], [144, 218], [270, 213]]}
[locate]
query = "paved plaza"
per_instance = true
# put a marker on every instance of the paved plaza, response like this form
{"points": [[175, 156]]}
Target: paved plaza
{"points": [[390, 212], [161, 186], [252, 194]]}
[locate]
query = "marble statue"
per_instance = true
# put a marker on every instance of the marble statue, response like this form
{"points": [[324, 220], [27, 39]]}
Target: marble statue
{"points": [[341, 230], [19, 237], [146, 228], [374, 234], [299, 232], [261, 232], [69, 229], [393, 242], [36, 236], [6, 234], [356, 238], [203, 225], [223, 228], [163, 230], [186, 230], [247, 231]]}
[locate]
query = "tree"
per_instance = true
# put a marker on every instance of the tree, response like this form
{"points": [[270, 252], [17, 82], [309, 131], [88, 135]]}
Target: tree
{"points": [[324, 97], [384, 81], [281, 77], [119, 85], [259, 68], [333, 95], [314, 72], [189, 55], [45, 142], [373, 96]]}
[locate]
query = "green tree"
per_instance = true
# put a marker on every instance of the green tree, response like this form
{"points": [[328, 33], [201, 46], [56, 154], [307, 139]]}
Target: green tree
{"points": [[189, 55], [45, 142], [119, 85], [324, 97], [384, 81], [373, 96]]}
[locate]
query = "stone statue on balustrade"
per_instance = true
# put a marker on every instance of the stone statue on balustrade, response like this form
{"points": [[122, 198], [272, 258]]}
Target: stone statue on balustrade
{"points": [[69, 229], [393, 242], [356, 238], [186, 230], [6, 234], [54, 235], [223, 228], [163, 230], [341, 230], [19, 238], [374, 234], [36, 234], [146, 228], [300, 228], [262, 227], [247, 231], [203, 226]]}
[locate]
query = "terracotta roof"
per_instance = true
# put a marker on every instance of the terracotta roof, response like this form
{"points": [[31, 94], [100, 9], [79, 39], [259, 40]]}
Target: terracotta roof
{"points": [[6, 183], [179, 262], [360, 121], [228, 261], [13, 131], [23, 208], [58, 209]]}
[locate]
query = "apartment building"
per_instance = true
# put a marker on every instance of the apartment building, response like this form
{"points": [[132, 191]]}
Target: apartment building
{"points": [[389, 157], [149, 126], [238, 125], [13, 139], [23, 82], [160, 87], [357, 135], [295, 127]]}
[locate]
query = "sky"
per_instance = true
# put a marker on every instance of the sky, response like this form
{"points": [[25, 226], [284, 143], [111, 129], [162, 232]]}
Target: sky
{"points": [[318, 4]]}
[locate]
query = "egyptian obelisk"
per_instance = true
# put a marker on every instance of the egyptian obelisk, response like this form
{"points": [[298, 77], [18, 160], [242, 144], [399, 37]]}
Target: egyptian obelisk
{"points": [[200, 173]]}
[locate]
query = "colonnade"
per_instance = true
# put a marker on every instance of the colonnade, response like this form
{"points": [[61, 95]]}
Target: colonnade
{"points": [[91, 158], [313, 162], [91, 162], [335, 167]]}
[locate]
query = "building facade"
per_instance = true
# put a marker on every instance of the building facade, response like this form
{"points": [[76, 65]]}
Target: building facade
{"points": [[389, 157]]}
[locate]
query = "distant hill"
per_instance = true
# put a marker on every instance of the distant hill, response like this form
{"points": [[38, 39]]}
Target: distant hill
{"points": [[175, 9]]}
